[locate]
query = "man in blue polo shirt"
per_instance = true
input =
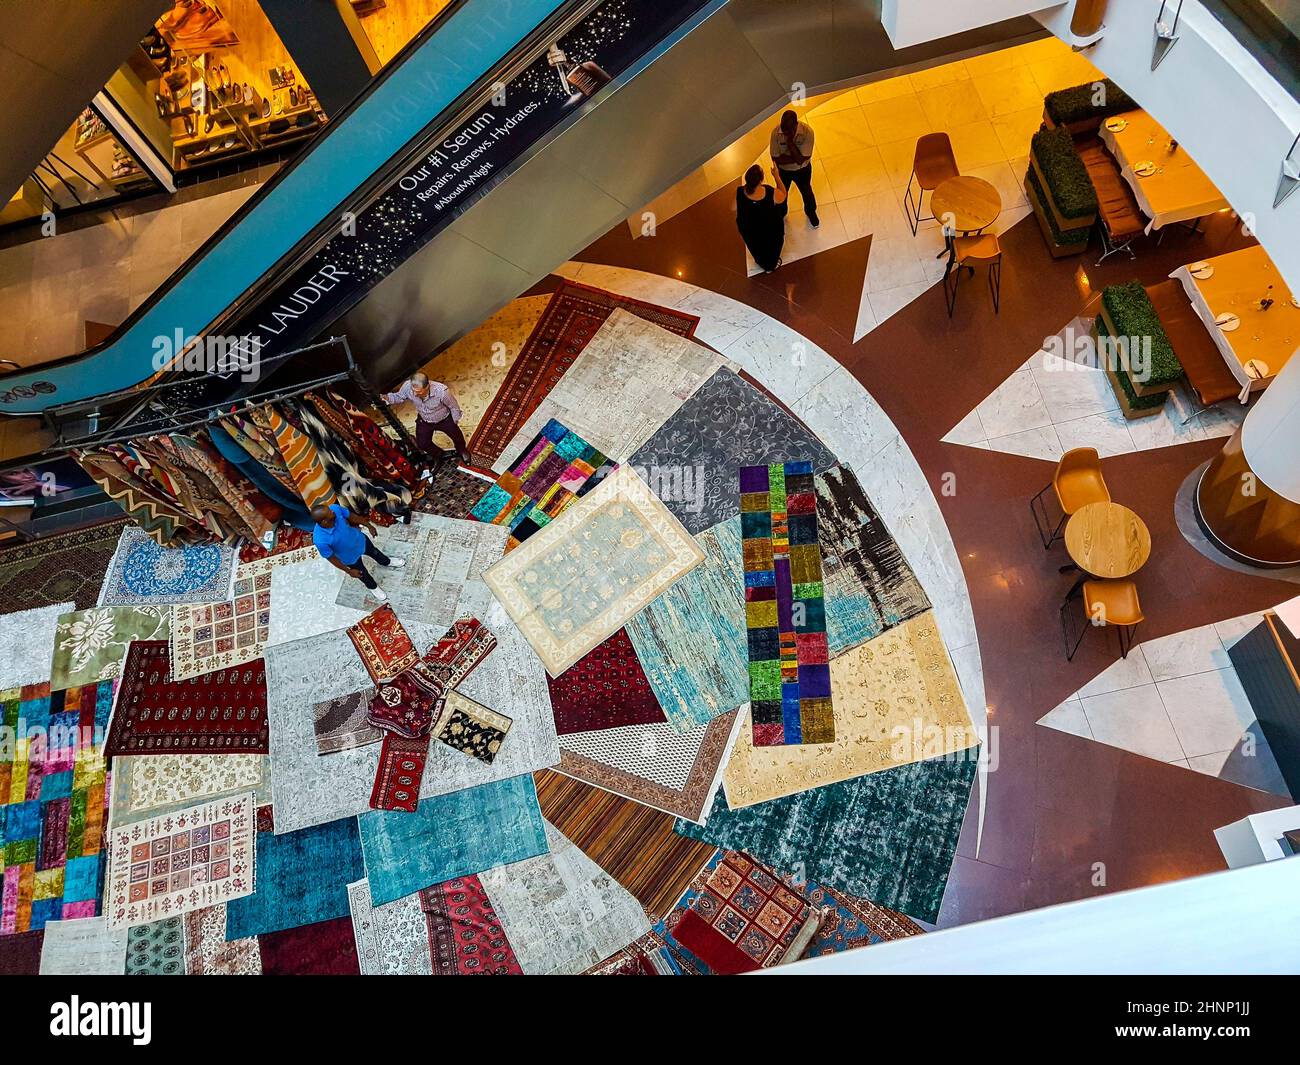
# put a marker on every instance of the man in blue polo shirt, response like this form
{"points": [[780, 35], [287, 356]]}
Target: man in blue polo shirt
{"points": [[338, 537]]}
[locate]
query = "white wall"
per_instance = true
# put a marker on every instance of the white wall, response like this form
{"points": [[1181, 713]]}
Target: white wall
{"points": [[911, 22]]}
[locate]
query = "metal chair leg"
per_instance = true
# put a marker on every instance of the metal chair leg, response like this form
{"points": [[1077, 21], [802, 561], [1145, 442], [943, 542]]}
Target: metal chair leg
{"points": [[950, 296], [1126, 635], [995, 283], [1065, 632], [913, 213], [1047, 537]]}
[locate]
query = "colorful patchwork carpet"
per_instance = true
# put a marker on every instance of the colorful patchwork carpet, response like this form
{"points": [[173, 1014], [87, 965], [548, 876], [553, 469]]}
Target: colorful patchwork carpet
{"points": [[326, 948], [561, 912], [383, 644], [53, 804], [869, 585], [302, 878], [175, 863], [889, 837], [605, 688], [691, 639], [89, 645], [692, 459], [896, 700], [556, 468], [341, 723], [218, 713], [632, 843], [628, 380], [144, 573], [27, 645], [575, 583], [465, 936], [211, 636], [65, 567], [208, 953], [573, 316], [451, 835], [785, 610], [392, 940], [454, 491]]}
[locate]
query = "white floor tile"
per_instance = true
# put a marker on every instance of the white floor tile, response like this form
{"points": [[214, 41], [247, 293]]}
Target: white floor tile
{"points": [[1107, 432], [1134, 719], [1130, 672], [892, 300], [1210, 711], [1068, 717], [1041, 443], [969, 430], [1182, 654], [1014, 406]]}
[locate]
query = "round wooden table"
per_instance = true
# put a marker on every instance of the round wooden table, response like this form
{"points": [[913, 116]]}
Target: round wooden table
{"points": [[969, 204], [1107, 540]]}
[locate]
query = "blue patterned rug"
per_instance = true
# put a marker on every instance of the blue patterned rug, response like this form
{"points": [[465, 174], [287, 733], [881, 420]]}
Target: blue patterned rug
{"points": [[142, 572]]}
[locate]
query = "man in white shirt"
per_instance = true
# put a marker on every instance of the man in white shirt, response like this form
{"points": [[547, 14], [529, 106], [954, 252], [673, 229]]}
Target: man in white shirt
{"points": [[436, 412], [792, 148]]}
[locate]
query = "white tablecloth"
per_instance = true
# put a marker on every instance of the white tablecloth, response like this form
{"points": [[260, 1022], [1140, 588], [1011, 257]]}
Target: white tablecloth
{"points": [[1180, 212], [1222, 340]]}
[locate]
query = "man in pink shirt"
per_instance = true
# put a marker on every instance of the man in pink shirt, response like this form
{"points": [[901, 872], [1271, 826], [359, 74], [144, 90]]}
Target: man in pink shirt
{"points": [[436, 412]]}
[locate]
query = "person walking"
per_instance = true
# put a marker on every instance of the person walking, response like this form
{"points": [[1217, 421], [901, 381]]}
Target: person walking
{"points": [[338, 537], [760, 217], [436, 412], [792, 148]]}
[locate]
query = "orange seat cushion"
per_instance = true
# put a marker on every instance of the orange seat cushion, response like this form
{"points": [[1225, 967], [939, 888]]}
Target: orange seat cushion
{"points": [[1114, 602], [1078, 488]]}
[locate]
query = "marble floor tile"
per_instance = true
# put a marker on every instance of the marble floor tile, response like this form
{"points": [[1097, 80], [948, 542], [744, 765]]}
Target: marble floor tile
{"points": [[1209, 711], [841, 131], [970, 430], [894, 263], [891, 300], [1130, 672], [1071, 391], [856, 173], [1014, 406], [1134, 719], [901, 118], [951, 104], [1182, 654], [1040, 443], [1068, 717], [1234, 629], [1107, 432]]}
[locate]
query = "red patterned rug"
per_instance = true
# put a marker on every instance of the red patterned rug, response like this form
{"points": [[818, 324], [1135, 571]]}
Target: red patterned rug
{"points": [[465, 936], [570, 320], [605, 688], [326, 948], [383, 644]]}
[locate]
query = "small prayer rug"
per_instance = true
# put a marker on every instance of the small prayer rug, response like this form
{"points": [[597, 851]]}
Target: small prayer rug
{"points": [[573, 316], [142, 572], [89, 645], [53, 804], [606, 687], [785, 609], [218, 713], [174, 863], [326, 948], [556, 468], [210, 636], [383, 644], [465, 936], [576, 582], [454, 490], [401, 770], [471, 728], [207, 952], [57, 569], [27, 645], [83, 947], [341, 723], [392, 940], [849, 923], [450, 835], [156, 949]]}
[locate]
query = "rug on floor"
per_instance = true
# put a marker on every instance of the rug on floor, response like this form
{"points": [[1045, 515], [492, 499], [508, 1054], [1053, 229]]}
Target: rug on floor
{"points": [[451, 835], [392, 939], [156, 949], [171, 782], [211, 636], [560, 911], [63, 567], [572, 317], [889, 837], [218, 713], [53, 804], [304, 595], [454, 490], [83, 947], [209, 953], [576, 582], [142, 572], [383, 643], [465, 936], [897, 700], [326, 948], [632, 843], [20, 954], [89, 645], [692, 459], [342, 722], [605, 688], [27, 641]]}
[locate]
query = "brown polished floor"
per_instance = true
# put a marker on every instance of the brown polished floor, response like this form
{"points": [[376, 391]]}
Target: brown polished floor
{"points": [[1066, 817]]}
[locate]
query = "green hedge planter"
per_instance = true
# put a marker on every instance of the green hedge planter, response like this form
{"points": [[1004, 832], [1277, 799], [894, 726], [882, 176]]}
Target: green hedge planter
{"points": [[1132, 405], [1129, 313], [1059, 242], [1065, 177], [1074, 107]]}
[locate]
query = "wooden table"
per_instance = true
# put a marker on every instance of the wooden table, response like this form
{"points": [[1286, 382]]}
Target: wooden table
{"points": [[966, 204], [1107, 540]]}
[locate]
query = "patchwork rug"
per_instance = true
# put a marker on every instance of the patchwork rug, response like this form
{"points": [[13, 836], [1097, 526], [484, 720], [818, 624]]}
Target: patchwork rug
{"points": [[655, 765], [83, 947], [450, 835], [897, 700], [171, 782], [465, 936], [326, 948], [555, 469], [573, 316], [785, 610], [869, 585], [65, 567], [889, 836], [392, 940], [207, 951], [632, 843], [383, 644], [341, 723], [605, 688], [691, 639], [174, 863], [142, 572], [27, 645], [692, 459], [576, 582], [626, 382], [211, 636], [156, 949], [454, 490], [89, 645], [218, 713], [53, 804]]}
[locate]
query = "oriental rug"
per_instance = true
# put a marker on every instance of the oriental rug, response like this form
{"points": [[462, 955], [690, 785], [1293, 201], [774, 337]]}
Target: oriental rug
{"points": [[451, 835], [572, 317], [174, 863], [889, 837], [326, 948], [383, 644], [210, 636], [561, 912], [27, 641], [143, 573], [207, 951], [171, 782], [57, 569], [785, 610], [555, 469], [218, 713], [83, 947], [897, 700], [849, 923], [627, 381], [392, 940], [465, 937], [606, 687], [576, 582], [471, 728], [400, 773], [89, 645], [633, 843], [692, 459], [341, 723], [53, 804], [454, 490]]}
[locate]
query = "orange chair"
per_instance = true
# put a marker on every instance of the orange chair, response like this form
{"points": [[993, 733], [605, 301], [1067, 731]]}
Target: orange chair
{"points": [[932, 164], [1113, 603], [1077, 482], [968, 253]]}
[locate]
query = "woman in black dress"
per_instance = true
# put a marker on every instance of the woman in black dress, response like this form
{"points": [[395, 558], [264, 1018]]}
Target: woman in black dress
{"points": [[760, 217]]}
